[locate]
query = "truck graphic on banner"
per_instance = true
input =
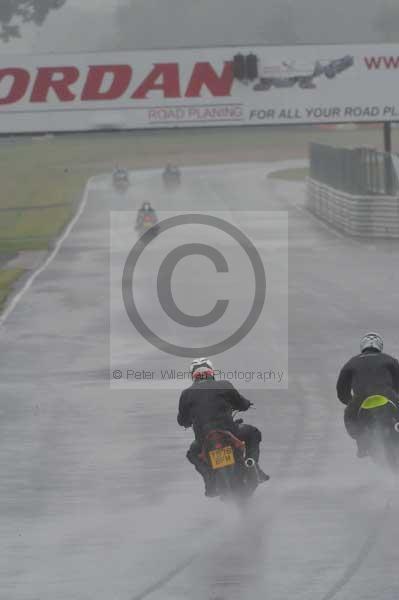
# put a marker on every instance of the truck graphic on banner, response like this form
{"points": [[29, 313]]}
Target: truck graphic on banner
{"points": [[287, 73]]}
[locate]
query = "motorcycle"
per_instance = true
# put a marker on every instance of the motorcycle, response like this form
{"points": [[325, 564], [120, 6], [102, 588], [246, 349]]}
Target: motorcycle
{"points": [[171, 177], [381, 419], [120, 178], [148, 222], [236, 476]]}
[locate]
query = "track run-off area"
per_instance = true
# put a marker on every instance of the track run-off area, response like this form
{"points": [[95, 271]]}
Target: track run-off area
{"points": [[98, 500]]}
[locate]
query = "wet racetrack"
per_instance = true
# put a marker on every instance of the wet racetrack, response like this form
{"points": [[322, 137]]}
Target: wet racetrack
{"points": [[98, 501]]}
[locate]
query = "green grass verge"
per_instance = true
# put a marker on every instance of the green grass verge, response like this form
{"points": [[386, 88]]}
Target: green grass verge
{"points": [[290, 174], [7, 279], [24, 186]]}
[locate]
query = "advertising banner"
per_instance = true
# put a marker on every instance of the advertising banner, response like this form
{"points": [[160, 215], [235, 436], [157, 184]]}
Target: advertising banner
{"points": [[199, 87]]}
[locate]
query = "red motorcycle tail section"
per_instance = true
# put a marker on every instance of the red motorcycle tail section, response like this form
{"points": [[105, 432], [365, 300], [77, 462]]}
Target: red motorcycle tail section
{"points": [[218, 439]]}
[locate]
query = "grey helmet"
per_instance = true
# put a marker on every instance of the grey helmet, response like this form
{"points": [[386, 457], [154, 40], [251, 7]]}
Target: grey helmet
{"points": [[371, 340]]}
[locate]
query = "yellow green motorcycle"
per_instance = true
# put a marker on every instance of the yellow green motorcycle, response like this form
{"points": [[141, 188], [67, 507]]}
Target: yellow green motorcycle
{"points": [[380, 416]]}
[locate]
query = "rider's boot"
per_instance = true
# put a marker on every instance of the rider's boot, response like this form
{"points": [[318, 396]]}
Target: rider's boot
{"points": [[253, 452], [262, 476]]}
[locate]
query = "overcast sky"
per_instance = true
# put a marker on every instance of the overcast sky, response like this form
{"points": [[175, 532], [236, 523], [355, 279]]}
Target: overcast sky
{"points": [[130, 24]]}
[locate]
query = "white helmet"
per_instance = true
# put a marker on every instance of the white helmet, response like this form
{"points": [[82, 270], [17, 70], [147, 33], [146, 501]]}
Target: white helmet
{"points": [[201, 368], [371, 340]]}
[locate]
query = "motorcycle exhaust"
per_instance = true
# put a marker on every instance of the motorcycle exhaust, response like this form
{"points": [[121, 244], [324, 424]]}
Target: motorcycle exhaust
{"points": [[250, 463], [396, 427]]}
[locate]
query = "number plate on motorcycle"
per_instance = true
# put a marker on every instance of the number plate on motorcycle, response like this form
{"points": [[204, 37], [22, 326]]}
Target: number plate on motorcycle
{"points": [[222, 457]]}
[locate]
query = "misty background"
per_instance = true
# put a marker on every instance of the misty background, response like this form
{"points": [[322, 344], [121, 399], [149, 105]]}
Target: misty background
{"points": [[35, 26]]}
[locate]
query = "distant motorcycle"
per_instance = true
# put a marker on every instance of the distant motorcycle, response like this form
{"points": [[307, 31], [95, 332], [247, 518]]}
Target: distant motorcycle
{"points": [[171, 177], [381, 419], [147, 221], [120, 178], [236, 476]]}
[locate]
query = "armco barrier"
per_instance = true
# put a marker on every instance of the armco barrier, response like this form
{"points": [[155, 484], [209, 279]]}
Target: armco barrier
{"points": [[363, 216]]}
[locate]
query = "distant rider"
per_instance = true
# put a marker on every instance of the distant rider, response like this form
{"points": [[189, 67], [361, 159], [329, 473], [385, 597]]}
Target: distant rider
{"points": [[171, 175], [208, 404], [171, 170], [145, 211], [370, 373], [120, 173]]}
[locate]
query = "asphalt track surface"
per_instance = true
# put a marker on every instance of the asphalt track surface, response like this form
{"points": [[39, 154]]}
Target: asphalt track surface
{"points": [[97, 500]]}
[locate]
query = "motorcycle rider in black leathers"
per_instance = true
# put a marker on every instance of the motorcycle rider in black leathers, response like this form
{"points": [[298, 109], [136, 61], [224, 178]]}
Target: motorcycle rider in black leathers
{"points": [[208, 404], [369, 373]]}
